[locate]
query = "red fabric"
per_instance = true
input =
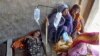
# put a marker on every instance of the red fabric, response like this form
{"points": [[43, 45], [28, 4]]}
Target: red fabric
{"points": [[91, 38], [18, 43]]}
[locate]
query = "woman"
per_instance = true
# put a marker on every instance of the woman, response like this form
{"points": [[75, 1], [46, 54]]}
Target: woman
{"points": [[34, 45], [78, 21], [61, 13]]}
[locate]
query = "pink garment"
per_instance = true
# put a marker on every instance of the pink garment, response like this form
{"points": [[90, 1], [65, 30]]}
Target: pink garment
{"points": [[95, 52], [80, 49], [94, 49]]}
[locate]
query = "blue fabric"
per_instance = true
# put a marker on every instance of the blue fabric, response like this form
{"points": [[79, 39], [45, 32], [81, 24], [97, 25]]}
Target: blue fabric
{"points": [[69, 23], [54, 35], [66, 37]]}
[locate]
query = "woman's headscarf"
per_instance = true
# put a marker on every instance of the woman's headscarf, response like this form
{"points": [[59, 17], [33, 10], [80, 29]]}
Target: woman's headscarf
{"points": [[62, 7]]}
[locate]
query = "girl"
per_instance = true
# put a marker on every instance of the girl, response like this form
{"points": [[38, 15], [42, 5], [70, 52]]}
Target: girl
{"points": [[34, 44], [78, 21]]}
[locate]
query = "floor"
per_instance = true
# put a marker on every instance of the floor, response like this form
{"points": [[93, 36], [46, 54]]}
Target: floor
{"points": [[3, 49]]}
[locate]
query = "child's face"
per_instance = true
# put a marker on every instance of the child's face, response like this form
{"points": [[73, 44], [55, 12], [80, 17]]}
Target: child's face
{"points": [[65, 12], [37, 34], [75, 11]]}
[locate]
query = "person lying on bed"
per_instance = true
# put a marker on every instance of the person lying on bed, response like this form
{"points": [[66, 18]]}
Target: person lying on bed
{"points": [[31, 43], [34, 44]]}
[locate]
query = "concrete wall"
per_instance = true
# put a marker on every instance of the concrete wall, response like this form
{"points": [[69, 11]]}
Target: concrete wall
{"points": [[86, 6], [16, 16], [91, 17]]}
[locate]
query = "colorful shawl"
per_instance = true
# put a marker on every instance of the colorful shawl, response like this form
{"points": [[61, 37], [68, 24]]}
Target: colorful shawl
{"points": [[90, 38], [80, 22]]}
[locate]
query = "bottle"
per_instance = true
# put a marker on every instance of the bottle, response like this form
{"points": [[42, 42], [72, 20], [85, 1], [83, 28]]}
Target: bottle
{"points": [[37, 14]]}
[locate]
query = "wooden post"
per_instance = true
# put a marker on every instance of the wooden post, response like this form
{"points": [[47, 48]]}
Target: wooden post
{"points": [[47, 23], [80, 1]]}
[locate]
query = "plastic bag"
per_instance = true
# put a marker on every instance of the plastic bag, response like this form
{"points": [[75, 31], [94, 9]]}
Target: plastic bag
{"points": [[66, 37]]}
